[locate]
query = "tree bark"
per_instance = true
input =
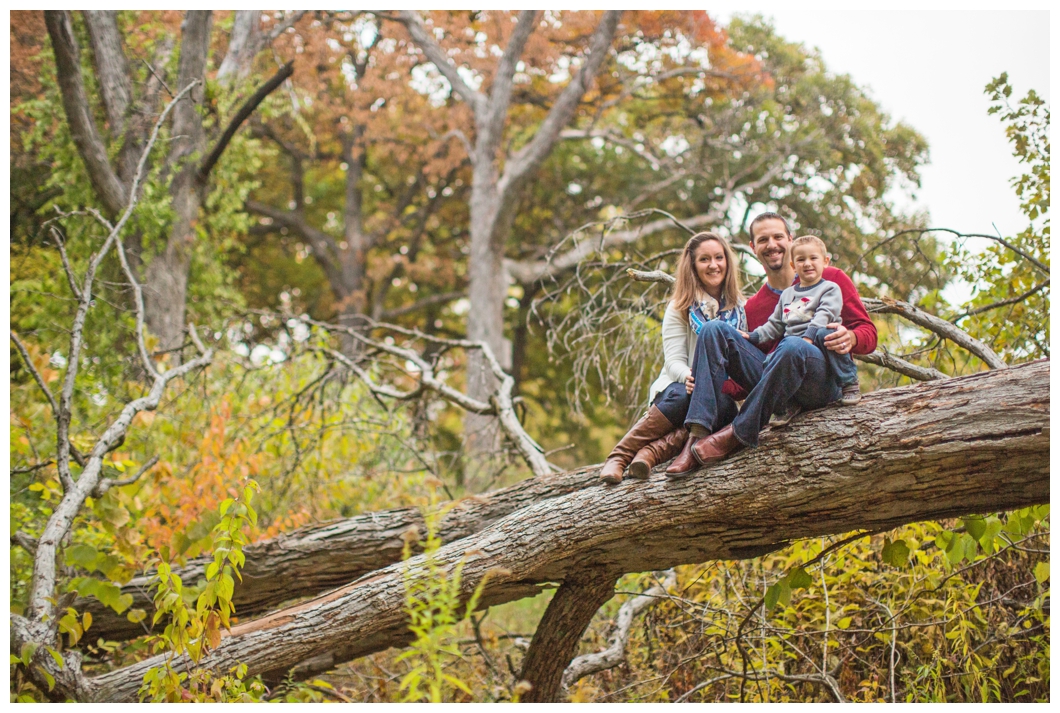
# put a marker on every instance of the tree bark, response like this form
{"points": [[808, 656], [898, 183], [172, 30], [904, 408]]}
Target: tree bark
{"points": [[934, 450], [311, 560], [166, 279], [90, 146], [556, 640]]}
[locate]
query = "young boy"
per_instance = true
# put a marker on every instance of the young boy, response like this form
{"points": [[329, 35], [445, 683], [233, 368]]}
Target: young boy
{"points": [[805, 310]]}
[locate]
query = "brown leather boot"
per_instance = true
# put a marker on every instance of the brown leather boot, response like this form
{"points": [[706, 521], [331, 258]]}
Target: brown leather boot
{"points": [[644, 431], [685, 462], [656, 452], [716, 446]]}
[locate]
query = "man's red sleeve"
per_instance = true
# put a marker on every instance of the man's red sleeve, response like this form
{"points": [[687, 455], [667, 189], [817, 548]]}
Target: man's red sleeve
{"points": [[855, 316]]}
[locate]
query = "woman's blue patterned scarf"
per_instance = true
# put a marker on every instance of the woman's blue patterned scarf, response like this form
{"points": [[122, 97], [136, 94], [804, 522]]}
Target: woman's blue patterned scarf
{"points": [[736, 317]]}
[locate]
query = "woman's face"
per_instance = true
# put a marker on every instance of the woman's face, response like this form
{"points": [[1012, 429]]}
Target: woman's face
{"points": [[710, 265]]}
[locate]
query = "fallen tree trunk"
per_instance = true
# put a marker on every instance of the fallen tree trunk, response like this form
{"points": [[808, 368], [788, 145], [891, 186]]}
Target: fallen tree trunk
{"points": [[318, 558], [939, 449]]}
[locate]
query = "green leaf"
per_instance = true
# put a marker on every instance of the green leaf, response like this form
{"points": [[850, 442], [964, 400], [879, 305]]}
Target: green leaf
{"points": [[895, 553], [136, 615], [1041, 572], [843, 623], [50, 679], [772, 596], [975, 526], [225, 505], [56, 657], [83, 556], [799, 578]]}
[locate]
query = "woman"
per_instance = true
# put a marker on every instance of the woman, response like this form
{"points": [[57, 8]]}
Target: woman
{"points": [[707, 287]]}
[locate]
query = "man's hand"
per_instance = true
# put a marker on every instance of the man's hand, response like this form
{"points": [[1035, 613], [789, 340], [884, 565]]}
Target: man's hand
{"points": [[807, 340], [745, 334], [842, 340], [690, 383]]}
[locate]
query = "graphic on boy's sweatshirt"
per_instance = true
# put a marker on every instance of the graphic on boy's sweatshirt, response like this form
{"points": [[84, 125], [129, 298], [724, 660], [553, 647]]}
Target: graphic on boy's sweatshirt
{"points": [[799, 311]]}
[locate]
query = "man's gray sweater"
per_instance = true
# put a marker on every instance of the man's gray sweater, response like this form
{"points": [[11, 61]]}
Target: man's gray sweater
{"points": [[802, 312]]}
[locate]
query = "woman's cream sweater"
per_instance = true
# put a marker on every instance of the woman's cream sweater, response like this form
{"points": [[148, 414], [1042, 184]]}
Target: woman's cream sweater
{"points": [[679, 345]]}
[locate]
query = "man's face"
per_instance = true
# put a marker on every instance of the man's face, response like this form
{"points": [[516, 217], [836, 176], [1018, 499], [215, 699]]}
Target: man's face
{"points": [[770, 242]]}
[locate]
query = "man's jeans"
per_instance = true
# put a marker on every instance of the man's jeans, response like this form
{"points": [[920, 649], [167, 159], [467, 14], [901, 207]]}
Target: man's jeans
{"points": [[796, 371]]}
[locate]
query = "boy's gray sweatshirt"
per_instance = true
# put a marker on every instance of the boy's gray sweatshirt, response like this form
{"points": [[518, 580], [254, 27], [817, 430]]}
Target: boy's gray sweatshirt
{"points": [[802, 312]]}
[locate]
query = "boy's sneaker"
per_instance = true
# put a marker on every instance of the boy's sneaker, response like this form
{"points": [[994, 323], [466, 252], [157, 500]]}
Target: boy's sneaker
{"points": [[851, 394], [784, 418]]}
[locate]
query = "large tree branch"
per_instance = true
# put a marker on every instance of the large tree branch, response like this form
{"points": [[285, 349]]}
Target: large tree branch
{"points": [[491, 128], [323, 246], [436, 55], [523, 163], [940, 449], [242, 115], [105, 182], [615, 653], [242, 45], [937, 325], [112, 69]]}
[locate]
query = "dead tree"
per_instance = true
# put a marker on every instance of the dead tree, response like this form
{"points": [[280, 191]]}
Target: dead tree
{"points": [[938, 449]]}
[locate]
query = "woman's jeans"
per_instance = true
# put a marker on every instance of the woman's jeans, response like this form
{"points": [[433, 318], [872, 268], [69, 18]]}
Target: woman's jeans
{"points": [[795, 372]]}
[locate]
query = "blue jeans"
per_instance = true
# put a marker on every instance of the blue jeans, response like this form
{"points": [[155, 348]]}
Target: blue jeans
{"points": [[841, 366], [796, 371], [674, 400], [721, 353]]}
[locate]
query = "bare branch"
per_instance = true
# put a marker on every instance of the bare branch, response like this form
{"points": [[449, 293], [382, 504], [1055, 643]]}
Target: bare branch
{"points": [[529, 271], [436, 55], [90, 145], [33, 370], [937, 325], [1004, 303], [442, 298], [244, 112], [29, 544], [887, 360], [71, 279], [106, 484], [615, 653], [996, 238], [528, 158]]}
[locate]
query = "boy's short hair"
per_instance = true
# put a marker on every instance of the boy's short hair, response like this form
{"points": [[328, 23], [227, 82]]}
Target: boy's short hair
{"points": [[808, 240]]}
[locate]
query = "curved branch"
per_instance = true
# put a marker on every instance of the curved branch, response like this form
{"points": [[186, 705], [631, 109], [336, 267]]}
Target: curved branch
{"points": [[1004, 303], [436, 55], [937, 325], [244, 112], [615, 653], [894, 363]]}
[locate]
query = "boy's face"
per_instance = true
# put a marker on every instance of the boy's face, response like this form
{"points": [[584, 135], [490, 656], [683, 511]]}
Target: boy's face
{"points": [[809, 262]]}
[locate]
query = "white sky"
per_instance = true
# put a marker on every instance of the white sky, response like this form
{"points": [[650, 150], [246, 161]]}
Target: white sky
{"points": [[928, 68]]}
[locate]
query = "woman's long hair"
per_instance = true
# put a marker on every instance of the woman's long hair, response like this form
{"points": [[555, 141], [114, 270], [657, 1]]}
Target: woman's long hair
{"points": [[689, 290]]}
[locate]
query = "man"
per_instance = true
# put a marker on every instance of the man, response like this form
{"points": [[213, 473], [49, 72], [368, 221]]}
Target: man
{"points": [[728, 364]]}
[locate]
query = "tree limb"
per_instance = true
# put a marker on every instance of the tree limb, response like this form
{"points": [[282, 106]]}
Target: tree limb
{"points": [[615, 653], [90, 146], [436, 55], [112, 68], [937, 325], [1004, 303], [887, 360], [244, 112]]}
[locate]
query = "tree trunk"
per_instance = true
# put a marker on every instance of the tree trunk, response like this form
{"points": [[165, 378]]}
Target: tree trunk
{"points": [[560, 629], [314, 559], [166, 276], [940, 449]]}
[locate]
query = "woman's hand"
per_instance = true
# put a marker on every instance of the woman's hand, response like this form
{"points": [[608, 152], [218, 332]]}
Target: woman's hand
{"points": [[690, 383], [745, 334]]}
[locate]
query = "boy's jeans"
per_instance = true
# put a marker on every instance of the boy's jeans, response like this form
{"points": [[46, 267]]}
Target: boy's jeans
{"points": [[841, 366]]}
